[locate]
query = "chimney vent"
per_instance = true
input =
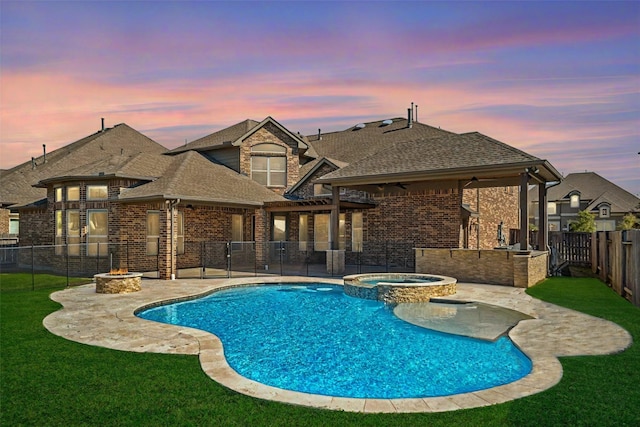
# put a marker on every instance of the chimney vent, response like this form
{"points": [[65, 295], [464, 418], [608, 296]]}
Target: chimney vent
{"points": [[102, 119], [44, 153], [319, 135], [416, 117], [409, 118], [33, 163]]}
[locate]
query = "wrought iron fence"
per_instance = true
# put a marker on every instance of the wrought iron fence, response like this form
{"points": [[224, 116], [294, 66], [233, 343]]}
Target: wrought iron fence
{"points": [[210, 259]]}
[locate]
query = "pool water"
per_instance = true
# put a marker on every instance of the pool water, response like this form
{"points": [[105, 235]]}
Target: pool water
{"points": [[313, 338], [376, 281]]}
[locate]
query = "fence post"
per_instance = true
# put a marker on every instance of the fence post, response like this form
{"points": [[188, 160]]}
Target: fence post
{"points": [[229, 260], [67, 254], [281, 250], [202, 267], [386, 256], [33, 273]]}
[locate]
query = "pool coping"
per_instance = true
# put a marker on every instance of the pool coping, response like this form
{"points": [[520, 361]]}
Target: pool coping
{"points": [[109, 320]]}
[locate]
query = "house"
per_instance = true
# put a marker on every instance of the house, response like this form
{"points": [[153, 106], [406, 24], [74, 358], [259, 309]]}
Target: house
{"points": [[586, 191], [349, 193]]}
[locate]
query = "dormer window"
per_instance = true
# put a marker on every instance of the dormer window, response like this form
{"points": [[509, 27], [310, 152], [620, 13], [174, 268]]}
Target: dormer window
{"points": [[605, 211], [575, 200], [269, 164]]}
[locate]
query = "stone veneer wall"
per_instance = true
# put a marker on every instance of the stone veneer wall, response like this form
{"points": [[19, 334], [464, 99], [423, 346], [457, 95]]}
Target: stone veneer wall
{"points": [[400, 294], [495, 267]]}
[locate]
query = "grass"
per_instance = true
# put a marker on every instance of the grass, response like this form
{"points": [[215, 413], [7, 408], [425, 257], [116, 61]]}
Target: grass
{"points": [[27, 281], [47, 380]]}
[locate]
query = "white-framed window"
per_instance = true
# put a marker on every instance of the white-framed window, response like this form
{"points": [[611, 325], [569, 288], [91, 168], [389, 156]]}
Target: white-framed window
{"points": [[153, 232], [180, 232], [73, 193], [605, 211], [279, 228], [97, 232], [551, 208], [236, 228], [59, 236], [14, 224], [554, 225], [269, 164], [303, 232], [356, 232], [321, 232], [73, 232], [97, 192], [575, 200], [58, 194]]}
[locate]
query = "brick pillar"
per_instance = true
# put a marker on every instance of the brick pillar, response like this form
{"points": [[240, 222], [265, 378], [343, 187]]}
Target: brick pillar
{"points": [[4, 221], [261, 233], [167, 245]]}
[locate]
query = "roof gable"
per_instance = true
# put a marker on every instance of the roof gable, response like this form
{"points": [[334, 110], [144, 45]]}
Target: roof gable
{"points": [[595, 189], [235, 135], [190, 176], [308, 170]]}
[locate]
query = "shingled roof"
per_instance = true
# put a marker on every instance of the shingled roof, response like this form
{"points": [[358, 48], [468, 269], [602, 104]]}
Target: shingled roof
{"points": [[192, 177], [16, 184], [442, 154], [357, 142], [234, 135]]}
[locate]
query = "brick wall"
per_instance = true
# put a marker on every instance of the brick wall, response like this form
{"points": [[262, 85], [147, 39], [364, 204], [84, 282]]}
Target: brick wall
{"points": [[4, 221], [496, 204], [430, 218], [494, 267], [270, 133]]}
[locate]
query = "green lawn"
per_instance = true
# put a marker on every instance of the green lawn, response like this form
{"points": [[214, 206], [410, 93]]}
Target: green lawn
{"points": [[27, 281], [46, 380]]}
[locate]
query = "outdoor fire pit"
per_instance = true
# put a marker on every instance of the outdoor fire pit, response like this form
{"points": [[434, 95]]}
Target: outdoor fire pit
{"points": [[118, 282]]}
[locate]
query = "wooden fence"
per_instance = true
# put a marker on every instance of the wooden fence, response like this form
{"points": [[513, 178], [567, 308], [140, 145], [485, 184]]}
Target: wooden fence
{"points": [[616, 261]]}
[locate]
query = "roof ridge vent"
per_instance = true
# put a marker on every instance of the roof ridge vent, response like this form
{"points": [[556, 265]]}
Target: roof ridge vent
{"points": [[386, 122], [360, 126]]}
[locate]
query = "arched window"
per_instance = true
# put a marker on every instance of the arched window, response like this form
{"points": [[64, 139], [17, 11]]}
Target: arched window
{"points": [[575, 200], [269, 164]]}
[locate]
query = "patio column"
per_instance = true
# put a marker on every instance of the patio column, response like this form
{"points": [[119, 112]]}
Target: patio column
{"points": [[524, 211], [260, 236], [335, 256], [335, 217], [543, 228]]}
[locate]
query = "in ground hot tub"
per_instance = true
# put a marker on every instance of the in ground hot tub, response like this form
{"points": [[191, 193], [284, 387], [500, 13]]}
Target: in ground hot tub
{"points": [[399, 287]]}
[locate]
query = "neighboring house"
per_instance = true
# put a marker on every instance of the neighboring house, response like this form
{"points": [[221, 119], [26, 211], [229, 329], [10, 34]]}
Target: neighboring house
{"points": [[586, 191], [390, 181]]}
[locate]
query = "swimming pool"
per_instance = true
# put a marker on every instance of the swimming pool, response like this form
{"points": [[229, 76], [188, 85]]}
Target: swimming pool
{"points": [[315, 339]]}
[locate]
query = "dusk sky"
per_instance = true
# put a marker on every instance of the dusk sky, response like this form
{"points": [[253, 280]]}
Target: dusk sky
{"points": [[559, 80]]}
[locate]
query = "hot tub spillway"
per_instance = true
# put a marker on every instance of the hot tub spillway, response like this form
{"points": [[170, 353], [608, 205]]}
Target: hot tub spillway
{"points": [[399, 287]]}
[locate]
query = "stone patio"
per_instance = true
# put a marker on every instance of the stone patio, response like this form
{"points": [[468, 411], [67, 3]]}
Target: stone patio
{"points": [[108, 320]]}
